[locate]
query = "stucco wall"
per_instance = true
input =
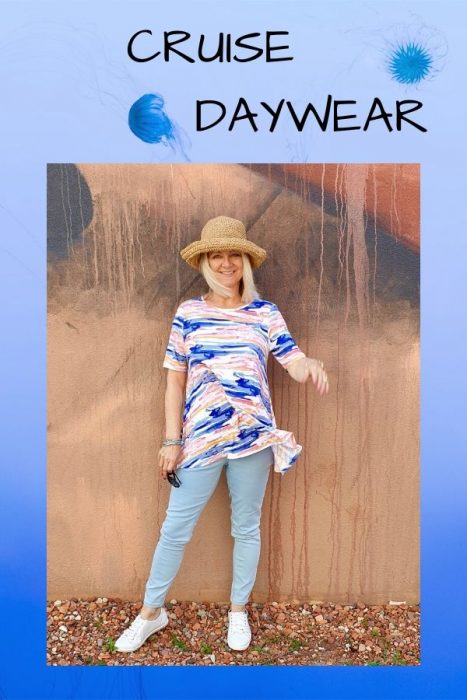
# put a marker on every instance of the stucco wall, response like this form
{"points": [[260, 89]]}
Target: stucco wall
{"points": [[343, 524]]}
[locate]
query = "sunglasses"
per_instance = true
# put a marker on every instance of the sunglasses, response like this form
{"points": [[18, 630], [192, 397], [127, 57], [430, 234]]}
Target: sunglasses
{"points": [[173, 479]]}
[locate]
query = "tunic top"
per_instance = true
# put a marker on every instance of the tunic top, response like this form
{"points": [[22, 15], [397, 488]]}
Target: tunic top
{"points": [[228, 411]]}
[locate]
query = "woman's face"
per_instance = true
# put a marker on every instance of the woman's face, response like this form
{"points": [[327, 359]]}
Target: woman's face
{"points": [[227, 265]]}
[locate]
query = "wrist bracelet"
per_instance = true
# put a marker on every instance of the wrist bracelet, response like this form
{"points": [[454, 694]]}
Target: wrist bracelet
{"points": [[171, 442]]}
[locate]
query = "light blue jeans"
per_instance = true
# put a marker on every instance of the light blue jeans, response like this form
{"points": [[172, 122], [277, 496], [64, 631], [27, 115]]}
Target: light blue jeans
{"points": [[247, 478]]}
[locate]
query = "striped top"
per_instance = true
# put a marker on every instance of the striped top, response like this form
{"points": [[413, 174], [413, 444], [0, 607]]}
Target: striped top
{"points": [[228, 411]]}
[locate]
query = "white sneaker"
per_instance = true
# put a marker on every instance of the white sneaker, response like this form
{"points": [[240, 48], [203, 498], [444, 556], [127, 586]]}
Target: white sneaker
{"points": [[139, 630], [239, 634]]}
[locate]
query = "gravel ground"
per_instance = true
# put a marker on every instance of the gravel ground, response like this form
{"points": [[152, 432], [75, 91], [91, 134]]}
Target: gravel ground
{"points": [[83, 632]]}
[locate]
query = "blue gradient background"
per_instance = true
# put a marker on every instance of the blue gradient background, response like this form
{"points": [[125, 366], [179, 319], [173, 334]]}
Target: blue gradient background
{"points": [[67, 85]]}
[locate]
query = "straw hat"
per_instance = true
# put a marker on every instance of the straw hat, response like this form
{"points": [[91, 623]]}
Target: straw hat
{"points": [[223, 233]]}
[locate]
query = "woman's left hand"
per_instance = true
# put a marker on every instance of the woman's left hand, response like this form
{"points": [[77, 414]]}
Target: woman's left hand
{"points": [[308, 367], [319, 376]]}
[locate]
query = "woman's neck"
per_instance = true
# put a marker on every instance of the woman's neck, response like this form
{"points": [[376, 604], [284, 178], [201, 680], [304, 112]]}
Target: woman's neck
{"points": [[217, 300]]}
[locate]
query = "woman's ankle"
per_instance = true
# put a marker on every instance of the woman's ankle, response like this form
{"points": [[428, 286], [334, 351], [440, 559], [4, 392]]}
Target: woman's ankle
{"points": [[148, 613], [236, 608]]}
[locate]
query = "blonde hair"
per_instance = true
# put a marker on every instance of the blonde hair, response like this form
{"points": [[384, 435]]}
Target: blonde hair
{"points": [[247, 287]]}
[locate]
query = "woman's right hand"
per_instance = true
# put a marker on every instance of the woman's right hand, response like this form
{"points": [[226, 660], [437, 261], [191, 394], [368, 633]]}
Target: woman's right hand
{"points": [[168, 459]]}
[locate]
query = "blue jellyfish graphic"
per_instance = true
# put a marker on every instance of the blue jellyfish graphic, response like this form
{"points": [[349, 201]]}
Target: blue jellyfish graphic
{"points": [[410, 63], [148, 120], [414, 53]]}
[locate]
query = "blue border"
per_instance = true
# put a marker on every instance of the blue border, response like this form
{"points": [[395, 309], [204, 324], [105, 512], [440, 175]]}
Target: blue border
{"points": [[67, 85]]}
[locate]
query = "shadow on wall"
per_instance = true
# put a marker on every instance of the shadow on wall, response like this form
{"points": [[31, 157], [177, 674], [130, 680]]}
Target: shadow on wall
{"points": [[69, 209], [128, 246], [343, 524]]}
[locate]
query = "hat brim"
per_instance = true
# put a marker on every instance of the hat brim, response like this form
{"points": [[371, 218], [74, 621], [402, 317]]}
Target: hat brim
{"points": [[192, 252]]}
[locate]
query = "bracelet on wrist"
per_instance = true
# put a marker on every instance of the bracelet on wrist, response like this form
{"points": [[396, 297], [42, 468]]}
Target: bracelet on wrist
{"points": [[169, 441]]}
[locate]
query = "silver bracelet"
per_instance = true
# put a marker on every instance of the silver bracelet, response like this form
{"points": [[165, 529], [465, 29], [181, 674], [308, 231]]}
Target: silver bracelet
{"points": [[172, 442]]}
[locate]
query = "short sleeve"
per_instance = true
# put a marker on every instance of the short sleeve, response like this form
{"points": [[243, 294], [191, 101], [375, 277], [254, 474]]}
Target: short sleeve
{"points": [[175, 354], [281, 343]]}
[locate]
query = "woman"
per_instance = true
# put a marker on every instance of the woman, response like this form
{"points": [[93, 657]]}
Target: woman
{"points": [[216, 360]]}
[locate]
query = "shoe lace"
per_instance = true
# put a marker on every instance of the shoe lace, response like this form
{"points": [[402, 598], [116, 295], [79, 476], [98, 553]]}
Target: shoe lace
{"points": [[134, 628], [239, 622]]}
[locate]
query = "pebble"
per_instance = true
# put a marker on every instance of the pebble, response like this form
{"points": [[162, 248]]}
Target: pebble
{"points": [[332, 634]]}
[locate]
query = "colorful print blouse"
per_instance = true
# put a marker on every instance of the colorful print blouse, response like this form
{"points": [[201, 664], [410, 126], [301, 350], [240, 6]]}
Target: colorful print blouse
{"points": [[228, 411]]}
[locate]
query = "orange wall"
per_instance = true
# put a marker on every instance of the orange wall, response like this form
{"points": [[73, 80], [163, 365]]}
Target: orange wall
{"points": [[343, 524]]}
